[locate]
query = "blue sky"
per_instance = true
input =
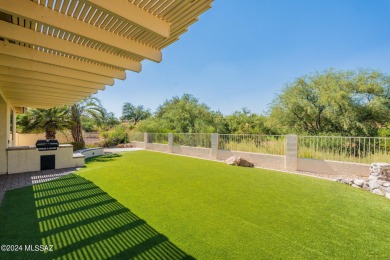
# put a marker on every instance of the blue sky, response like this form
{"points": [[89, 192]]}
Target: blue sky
{"points": [[241, 53]]}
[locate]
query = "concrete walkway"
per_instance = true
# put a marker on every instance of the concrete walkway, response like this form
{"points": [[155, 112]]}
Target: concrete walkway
{"points": [[19, 180]]}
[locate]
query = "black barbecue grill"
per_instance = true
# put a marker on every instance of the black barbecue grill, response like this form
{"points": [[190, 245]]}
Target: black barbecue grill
{"points": [[44, 145]]}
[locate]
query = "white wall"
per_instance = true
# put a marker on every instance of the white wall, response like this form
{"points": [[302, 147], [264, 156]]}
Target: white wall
{"points": [[192, 151], [333, 167], [31, 139]]}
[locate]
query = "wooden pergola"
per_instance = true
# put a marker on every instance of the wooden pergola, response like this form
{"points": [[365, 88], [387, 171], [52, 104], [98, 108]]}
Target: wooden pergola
{"points": [[70, 49], [58, 52]]}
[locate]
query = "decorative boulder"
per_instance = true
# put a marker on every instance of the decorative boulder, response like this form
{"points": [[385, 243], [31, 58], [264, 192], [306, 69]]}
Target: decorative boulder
{"points": [[239, 162], [358, 182], [244, 163], [231, 161]]}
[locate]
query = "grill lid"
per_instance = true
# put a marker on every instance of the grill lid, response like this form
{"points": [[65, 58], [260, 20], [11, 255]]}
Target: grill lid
{"points": [[44, 145]]}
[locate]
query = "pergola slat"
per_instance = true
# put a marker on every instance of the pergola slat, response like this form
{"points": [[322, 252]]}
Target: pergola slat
{"points": [[19, 33]]}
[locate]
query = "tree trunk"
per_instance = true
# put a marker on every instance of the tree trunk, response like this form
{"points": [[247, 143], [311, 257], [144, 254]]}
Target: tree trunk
{"points": [[50, 134], [76, 127]]}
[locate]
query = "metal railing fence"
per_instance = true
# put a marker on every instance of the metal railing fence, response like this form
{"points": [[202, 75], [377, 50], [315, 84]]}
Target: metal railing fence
{"points": [[192, 139], [267, 144], [136, 136], [158, 138], [348, 149]]}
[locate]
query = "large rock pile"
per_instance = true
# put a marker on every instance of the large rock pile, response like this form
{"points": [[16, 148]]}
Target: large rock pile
{"points": [[378, 182]]}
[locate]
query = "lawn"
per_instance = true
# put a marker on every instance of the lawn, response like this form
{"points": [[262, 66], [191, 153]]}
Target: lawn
{"points": [[152, 205]]}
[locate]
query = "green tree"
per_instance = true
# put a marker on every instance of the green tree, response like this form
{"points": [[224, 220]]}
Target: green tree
{"points": [[334, 102], [133, 113], [185, 115], [245, 122], [44, 120], [90, 106]]}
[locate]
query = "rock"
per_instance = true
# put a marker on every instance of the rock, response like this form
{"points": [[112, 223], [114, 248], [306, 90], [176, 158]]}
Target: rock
{"points": [[346, 181], [239, 162], [384, 189], [244, 163], [355, 186], [366, 187], [378, 192], [379, 168], [358, 182], [387, 195], [372, 177], [373, 185], [339, 179], [386, 184], [231, 161]]}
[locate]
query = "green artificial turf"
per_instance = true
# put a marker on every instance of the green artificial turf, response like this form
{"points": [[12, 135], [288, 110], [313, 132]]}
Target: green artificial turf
{"points": [[153, 205]]}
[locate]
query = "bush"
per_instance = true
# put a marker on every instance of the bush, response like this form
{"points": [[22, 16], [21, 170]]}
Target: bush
{"points": [[116, 136]]}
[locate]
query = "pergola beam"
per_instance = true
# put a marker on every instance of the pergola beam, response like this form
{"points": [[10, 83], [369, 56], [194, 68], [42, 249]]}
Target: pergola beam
{"points": [[133, 14], [14, 62], [47, 77], [51, 102], [53, 59], [17, 82], [19, 33], [39, 13], [35, 103], [29, 95], [20, 88]]}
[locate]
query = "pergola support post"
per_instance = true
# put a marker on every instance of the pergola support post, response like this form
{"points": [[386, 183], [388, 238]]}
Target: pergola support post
{"points": [[4, 134]]}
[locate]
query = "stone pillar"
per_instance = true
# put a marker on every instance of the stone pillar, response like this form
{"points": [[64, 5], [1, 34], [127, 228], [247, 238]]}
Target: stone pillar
{"points": [[170, 142], [214, 145], [146, 140], [4, 134], [291, 152]]}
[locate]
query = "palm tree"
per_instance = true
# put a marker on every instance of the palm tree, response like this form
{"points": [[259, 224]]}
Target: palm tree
{"points": [[44, 120], [88, 107]]}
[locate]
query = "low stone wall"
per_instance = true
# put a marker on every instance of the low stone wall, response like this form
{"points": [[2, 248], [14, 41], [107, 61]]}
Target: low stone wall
{"points": [[333, 167], [138, 144], [276, 162], [192, 151], [91, 152], [157, 147]]}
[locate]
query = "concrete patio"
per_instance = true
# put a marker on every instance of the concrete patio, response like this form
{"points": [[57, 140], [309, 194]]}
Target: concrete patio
{"points": [[20, 180]]}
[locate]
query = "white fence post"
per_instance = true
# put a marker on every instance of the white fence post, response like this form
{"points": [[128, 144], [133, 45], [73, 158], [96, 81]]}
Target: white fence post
{"points": [[170, 142], [146, 140], [214, 145], [291, 152]]}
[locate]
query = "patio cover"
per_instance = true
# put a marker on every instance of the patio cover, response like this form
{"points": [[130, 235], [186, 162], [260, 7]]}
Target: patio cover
{"points": [[57, 52]]}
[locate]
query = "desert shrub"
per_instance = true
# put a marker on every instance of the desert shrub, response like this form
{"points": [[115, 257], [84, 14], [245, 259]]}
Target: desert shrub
{"points": [[118, 135]]}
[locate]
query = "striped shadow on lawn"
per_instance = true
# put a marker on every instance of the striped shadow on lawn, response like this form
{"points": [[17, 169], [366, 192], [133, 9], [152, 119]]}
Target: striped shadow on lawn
{"points": [[81, 222], [185, 207]]}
